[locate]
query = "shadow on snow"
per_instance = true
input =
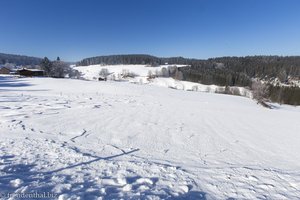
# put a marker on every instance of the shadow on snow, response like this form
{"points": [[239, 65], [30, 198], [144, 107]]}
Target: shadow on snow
{"points": [[7, 81], [35, 181]]}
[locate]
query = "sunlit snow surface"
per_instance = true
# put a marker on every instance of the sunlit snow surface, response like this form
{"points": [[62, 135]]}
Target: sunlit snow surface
{"points": [[115, 140], [91, 72]]}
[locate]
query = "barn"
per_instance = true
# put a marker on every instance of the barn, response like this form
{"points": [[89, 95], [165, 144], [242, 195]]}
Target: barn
{"points": [[30, 72], [4, 70]]}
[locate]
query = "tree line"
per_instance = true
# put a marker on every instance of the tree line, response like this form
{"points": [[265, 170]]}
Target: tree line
{"points": [[132, 59], [19, 59]]}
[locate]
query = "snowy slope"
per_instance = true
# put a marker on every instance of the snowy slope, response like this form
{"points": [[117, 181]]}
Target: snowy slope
{"points": [[88, 139], [91, 72]]}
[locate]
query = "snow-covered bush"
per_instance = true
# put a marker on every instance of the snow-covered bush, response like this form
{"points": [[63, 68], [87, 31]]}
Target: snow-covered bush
{"points": [[150, 74], [128, 74], [104, 72]]}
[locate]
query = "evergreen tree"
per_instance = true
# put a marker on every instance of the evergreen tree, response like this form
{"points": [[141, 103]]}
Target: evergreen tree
{"points": [[46, 65]]}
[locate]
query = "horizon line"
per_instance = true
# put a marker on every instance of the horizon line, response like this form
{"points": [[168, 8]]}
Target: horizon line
{"points": [[177, 56]]}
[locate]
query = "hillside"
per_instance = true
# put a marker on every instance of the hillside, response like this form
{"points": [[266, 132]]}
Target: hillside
{"points": [[19, 59], [222, 71], [281, 75], [88, 139], [159, 76]]}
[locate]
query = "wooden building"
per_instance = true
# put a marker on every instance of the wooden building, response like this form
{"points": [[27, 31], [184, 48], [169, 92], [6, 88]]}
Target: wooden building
{"points": [[4, 70], [30, 72]]}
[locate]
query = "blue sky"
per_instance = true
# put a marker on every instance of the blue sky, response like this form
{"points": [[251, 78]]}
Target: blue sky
{"points": [[75, 29]]}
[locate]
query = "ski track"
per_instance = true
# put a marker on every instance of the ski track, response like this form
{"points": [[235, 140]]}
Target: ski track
{"points": [[130, 141]]}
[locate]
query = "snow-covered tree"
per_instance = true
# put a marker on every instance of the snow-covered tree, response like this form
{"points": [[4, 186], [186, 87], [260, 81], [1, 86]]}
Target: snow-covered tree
{"points": [[59, 69], [46, 65], [150, 74], [104, 72]]}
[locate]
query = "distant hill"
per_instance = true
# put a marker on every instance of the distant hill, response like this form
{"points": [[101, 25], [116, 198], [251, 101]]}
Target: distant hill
{"points": [[239, 70], [133, 59], [19, 59], [282, 74], [220, 71]]}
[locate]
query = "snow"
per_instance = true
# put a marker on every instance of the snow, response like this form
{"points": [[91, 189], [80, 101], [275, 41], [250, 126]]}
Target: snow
{"points": [[89, 139], [91, 72]]}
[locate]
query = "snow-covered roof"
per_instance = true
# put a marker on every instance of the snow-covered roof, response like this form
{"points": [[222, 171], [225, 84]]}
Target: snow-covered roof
{"points": [[33, 70]]}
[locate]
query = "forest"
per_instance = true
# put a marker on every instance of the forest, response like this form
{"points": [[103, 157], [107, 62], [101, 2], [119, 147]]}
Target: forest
{"points": [[133, 59], [18, 59]]}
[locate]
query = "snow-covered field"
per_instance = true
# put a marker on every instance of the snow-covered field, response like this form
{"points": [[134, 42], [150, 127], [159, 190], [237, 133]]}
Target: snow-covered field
{"points": [[89, 139], [91, 72]]}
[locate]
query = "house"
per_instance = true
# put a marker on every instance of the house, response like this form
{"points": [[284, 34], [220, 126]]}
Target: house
{"points": [[4, 70], [30, 72], [13, 71]]}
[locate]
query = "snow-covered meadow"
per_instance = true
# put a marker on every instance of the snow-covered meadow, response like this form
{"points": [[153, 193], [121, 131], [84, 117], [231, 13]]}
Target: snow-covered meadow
{"points": [[141, 73], [112, 140]]}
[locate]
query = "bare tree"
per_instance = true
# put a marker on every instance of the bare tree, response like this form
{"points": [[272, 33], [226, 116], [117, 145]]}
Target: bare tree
{"points": [[165, 72], [260, 91], [282, 76], [178, 75], [126, 73], [172, 70]]}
